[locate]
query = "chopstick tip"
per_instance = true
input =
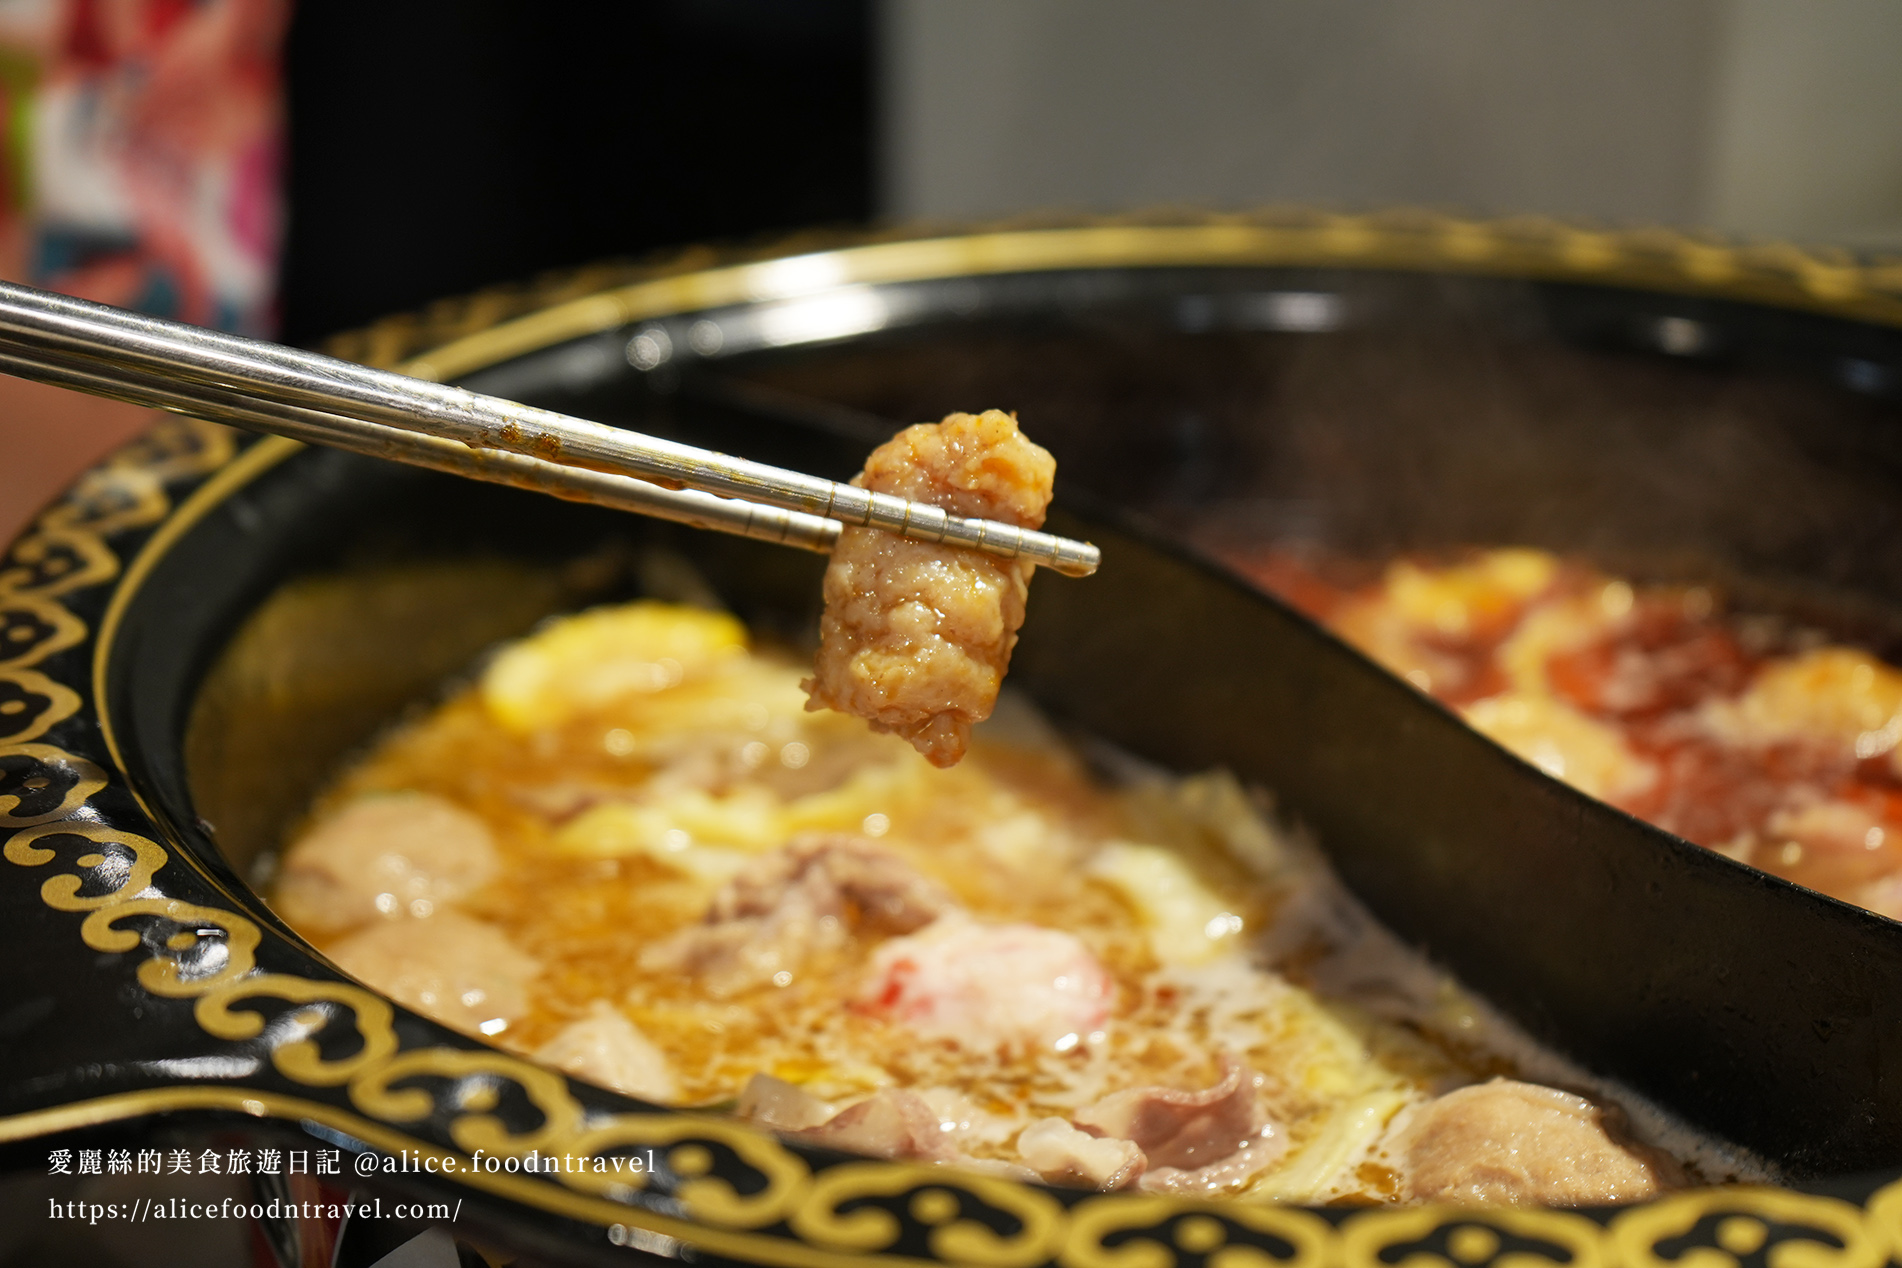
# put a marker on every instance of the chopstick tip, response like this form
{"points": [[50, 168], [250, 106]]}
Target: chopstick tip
{"points": [[1077, 559]]}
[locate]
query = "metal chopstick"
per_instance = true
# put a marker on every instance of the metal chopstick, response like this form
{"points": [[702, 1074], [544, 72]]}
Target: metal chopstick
{"points": [[622, 493], [288, 391]]}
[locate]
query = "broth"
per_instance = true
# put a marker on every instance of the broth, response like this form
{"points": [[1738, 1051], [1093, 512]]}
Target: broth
{"points": [[1751, 735], [629, 849]]}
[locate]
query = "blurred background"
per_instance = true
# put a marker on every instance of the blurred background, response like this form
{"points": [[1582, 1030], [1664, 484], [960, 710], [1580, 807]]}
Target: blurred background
{"points": [[298, 169]]}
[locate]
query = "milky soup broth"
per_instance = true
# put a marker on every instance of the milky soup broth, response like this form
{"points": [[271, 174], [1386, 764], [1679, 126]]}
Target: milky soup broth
{"points": [[629, 849]]}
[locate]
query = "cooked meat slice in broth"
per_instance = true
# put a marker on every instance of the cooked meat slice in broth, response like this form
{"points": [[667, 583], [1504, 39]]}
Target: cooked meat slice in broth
{"points": [[838, 876], [385, 857], [795, 904], [1195, 1142], [917, 637], [465, 973], [1506, 1141], [781, 1105], [604, 1047], [1061, 1154], [892, 1123]]}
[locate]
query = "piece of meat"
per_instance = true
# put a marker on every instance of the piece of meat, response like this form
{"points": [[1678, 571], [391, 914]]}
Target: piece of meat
{"points": [[844, 876], [917, 637], [983, 985], [606, 1048], [462, 972], [1506, 1141], [781, 1105], [384, 857], [1195, 1142], [969, 1124], [891, 1123], [933, 1125], [796, 903], [1061, 1154]]}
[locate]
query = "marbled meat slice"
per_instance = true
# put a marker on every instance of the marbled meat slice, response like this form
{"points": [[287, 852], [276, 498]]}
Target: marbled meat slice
{"points": [[795, 904], [1194, 1142]]}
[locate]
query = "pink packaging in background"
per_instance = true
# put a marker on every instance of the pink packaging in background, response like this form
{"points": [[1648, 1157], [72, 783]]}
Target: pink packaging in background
{"points": [[141, 151]]}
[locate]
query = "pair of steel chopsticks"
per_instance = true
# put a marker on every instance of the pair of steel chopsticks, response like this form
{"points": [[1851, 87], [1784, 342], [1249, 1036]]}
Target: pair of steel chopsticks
{"points": [[322, 400]]}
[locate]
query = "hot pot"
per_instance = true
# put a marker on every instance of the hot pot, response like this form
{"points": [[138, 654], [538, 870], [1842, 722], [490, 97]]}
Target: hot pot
{"points": [[208, 622]]}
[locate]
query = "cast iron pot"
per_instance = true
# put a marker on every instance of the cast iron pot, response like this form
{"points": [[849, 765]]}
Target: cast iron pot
{"points": [[207, 624]]}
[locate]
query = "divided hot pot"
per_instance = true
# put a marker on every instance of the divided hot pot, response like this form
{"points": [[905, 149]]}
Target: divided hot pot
{"points": [[205, 625]]}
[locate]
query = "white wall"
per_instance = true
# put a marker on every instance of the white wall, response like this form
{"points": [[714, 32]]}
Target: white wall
{"points": [[1808, 140], [1768, 116]]}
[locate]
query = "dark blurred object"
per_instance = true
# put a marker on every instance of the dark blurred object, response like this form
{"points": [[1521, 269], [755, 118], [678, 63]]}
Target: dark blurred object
{"points": [[437, 146]]}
